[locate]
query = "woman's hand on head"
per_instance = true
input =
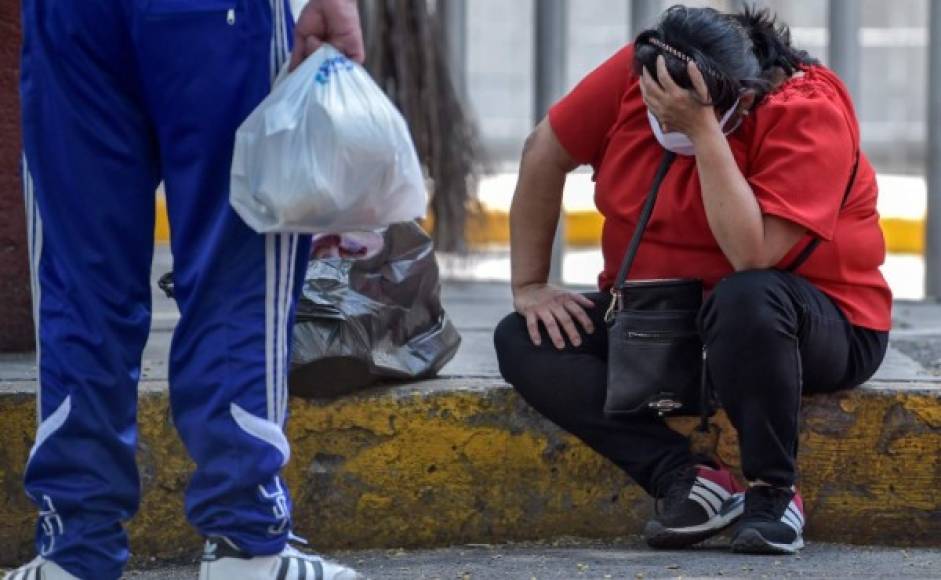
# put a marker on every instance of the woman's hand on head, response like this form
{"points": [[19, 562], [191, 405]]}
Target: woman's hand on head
{"points": [[677, 108], [557, 310]]}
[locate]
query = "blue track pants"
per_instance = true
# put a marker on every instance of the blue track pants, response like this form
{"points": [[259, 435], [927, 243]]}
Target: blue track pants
{"points": [[118, 95]]}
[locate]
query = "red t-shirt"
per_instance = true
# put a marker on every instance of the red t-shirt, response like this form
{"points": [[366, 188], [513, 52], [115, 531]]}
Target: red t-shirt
{"points": [[796, 149]]}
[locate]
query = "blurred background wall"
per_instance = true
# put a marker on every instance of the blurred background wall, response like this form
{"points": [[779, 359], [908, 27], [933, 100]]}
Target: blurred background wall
{"points": [[891, 102]]}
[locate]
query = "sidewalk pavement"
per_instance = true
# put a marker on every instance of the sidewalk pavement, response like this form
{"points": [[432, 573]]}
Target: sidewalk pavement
{"points": [[476, 308], [461, 459], [623, 559]]}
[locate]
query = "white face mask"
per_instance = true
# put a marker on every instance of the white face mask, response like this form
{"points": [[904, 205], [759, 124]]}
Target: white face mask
{"points": [[680, 143]]}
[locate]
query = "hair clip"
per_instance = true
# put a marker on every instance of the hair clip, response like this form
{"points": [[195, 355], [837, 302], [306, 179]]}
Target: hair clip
{"points": [[681, 55]]}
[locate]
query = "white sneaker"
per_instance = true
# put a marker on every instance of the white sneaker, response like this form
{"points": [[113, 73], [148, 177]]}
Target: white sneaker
{"points": [[222, 560], [39, 569]]}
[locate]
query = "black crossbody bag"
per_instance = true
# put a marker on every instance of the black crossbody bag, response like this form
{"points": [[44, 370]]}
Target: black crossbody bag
{"points": [[656, 358]]}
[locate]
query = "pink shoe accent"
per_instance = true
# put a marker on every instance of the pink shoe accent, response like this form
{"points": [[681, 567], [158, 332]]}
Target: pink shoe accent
{"points": [[799, 502], [721, 477]]}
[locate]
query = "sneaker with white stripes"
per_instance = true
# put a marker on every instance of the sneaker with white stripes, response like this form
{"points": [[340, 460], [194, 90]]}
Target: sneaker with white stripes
{"points": [[773, 522], [699, 503], [222, 560], [39, 569]]}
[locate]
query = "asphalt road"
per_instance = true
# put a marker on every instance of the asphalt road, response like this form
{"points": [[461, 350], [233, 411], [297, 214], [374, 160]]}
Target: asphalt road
{"points": [[623, 559]]}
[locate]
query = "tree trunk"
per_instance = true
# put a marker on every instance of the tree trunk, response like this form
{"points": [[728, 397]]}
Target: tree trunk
{"points": [[406, 54]]}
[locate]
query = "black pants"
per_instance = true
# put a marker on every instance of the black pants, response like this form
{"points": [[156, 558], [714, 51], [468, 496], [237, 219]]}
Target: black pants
{"points": [[771, 335]]}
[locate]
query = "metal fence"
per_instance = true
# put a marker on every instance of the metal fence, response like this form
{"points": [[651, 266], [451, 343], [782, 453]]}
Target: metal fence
{"points": [[883, 65]]}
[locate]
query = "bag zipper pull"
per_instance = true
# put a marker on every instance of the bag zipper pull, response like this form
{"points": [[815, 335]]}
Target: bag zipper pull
{"points": [[230, 17], [609, 314]]}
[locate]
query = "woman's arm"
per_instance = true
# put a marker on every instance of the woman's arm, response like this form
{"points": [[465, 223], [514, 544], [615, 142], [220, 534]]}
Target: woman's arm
{"points": [[749, 239], [537, 204], [534, 216]]}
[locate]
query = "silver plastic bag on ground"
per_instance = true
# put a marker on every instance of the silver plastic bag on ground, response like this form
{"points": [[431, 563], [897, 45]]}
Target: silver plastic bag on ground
{"points": [[379, 318]]}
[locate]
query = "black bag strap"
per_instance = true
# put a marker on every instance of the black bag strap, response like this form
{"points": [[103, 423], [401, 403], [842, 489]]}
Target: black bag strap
{"points": [[645, 214], [798, 261]]}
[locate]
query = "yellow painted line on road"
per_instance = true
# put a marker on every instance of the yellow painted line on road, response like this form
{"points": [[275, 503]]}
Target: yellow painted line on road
{"points": [[162, 223], [904, 236], [583, 228]]}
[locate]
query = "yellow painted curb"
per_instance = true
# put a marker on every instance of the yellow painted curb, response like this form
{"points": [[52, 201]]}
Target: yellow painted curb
{"points": [[453, 461], [583, 229]]}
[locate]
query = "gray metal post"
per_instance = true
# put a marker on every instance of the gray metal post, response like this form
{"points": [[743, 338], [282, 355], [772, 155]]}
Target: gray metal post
{"points": [[739, 5], [549, 51], [453, 18], [933, 223], [843, 48], [644, 14]]}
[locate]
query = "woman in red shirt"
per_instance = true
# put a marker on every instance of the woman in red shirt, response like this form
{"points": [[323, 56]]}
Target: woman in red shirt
{"points": [[768, 160]]}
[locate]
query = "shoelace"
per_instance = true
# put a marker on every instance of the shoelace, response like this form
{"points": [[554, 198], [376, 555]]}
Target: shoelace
{"points": [[766, 502]]}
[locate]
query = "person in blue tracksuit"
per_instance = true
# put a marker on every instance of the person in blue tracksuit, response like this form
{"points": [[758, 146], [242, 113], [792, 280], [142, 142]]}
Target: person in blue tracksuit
{"points": [[118, 95]]}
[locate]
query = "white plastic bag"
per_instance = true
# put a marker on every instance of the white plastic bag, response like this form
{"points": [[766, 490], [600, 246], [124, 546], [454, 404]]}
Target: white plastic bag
{"points": [[326, 151]]}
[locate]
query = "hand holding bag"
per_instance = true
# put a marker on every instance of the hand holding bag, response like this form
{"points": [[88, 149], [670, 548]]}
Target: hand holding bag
{"points": [[326, 151]]}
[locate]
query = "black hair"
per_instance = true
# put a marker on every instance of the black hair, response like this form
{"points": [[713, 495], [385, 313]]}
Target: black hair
{"points": [[735, 52], [771, 42]]}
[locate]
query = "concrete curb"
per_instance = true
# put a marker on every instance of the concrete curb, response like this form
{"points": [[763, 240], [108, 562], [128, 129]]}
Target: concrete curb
{"points": [[465, 460], [583, 228]]}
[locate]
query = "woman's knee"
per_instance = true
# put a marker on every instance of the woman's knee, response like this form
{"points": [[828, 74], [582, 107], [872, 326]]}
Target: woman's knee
{"points": [[747, 302], [510, 339]]}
